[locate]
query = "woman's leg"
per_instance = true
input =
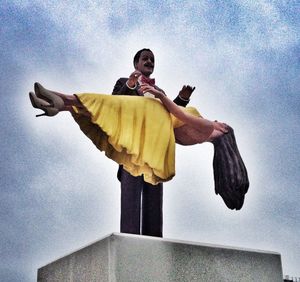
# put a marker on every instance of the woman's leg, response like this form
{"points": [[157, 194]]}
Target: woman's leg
{"points": [[57, 101], [70, 101]]}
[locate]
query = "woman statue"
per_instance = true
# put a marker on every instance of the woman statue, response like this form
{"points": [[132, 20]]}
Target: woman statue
{"points": [[140, 132]]}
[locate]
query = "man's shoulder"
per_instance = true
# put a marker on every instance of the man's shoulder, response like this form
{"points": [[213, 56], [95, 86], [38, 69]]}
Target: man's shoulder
{"points": [[122, 80], [121, 88]]}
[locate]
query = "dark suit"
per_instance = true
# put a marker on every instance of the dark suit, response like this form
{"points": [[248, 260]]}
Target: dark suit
{"points": [[141, 202]]}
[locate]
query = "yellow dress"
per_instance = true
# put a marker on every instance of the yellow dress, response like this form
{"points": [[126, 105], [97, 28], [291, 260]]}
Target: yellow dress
{"points": [[134, 131]]}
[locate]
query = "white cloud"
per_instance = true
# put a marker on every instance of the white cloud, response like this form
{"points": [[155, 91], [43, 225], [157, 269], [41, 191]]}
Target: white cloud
{"points": [[267, 26]]}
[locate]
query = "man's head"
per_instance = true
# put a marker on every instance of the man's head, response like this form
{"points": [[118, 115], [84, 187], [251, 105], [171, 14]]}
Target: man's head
{"points": [[143, 61]]}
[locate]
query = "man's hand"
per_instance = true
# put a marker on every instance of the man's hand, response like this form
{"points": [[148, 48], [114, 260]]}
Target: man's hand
{"points": [[186, 92], [133, 78]]}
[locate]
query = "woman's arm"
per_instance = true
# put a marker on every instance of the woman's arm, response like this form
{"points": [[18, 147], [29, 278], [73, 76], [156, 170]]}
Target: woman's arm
{"points": [[196, 122], [169, 104]]}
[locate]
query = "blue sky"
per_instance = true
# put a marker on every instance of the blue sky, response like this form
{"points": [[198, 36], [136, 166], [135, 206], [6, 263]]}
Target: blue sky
{"points": [[59, 193]]}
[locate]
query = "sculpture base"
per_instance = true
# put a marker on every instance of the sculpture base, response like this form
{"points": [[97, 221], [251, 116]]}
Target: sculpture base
{"points": [[127, 257]]}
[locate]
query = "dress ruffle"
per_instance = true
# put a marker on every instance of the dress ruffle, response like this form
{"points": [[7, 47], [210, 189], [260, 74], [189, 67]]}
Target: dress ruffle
{"points": [[136, 132]]}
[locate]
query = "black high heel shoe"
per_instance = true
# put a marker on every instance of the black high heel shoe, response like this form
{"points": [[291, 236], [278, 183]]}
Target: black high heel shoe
{"points": [[42, 105], [54, 100]]}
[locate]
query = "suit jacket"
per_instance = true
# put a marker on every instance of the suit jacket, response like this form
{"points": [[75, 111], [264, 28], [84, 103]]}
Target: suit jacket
{"points": [[121, 88]]}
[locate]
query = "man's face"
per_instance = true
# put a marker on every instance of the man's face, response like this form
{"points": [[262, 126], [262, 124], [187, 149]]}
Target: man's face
{"points": [[146, 63]]}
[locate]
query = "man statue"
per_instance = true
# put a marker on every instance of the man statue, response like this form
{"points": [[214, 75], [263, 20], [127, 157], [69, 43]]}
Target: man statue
{"points": [[142, 202]]}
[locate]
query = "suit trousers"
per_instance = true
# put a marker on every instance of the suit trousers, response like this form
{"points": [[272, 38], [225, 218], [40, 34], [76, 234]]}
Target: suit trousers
{"points": [[141, 206]]}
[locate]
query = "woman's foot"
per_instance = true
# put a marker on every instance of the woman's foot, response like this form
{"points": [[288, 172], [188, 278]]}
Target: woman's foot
{"points": [[56, 102], [51, 97], [43, 105]]}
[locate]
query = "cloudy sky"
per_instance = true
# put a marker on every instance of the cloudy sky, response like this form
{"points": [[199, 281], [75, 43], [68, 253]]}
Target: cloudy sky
{"points": [[58, 193]]}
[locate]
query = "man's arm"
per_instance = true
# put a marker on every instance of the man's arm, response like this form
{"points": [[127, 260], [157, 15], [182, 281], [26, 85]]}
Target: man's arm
{"points": [[127, 86], [121, 88]]}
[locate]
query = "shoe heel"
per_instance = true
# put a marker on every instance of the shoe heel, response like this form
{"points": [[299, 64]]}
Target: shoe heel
{"points": [[40, 115], [42, 105]]}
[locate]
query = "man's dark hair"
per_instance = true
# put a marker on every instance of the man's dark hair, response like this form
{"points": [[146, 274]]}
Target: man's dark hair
{"points": [[138, 54]]}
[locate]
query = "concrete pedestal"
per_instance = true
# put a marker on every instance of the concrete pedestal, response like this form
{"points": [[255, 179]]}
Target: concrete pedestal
{"points": [[126, 257]]}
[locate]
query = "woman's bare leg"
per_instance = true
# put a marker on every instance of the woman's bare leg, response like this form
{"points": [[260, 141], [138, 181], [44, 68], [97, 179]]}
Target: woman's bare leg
{"points": [[70, 101]]}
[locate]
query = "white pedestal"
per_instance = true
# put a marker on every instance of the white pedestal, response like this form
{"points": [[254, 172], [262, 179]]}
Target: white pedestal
{"points": [[125, 257]]}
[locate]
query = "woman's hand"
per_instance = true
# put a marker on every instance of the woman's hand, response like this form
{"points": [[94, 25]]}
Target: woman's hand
{"points": [[220, 126], [219, 130], [147, 88]]}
